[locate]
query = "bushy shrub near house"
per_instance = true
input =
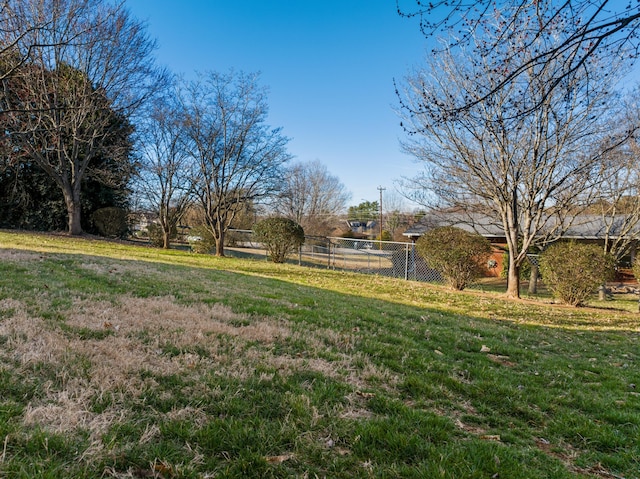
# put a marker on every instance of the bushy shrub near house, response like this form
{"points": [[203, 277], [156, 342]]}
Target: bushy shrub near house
{"points": [[280, 237], [573, 271], [386, 236], [458, 255]]}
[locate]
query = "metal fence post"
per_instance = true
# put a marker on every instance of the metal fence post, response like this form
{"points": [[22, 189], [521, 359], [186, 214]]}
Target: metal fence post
{"points": [[406, 262]]}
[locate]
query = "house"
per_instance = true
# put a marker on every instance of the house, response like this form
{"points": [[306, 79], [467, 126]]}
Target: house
{"points": [[595, 229], [140, 220], [365, 228], [473, 222]]}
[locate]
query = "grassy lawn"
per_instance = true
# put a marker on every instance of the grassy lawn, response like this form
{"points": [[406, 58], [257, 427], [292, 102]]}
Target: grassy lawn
{"points": [[130, 362]]}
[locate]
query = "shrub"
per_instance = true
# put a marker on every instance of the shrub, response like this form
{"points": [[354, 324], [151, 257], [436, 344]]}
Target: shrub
{"points": [[154, 232], [201, 240], [573, 271], [386, 236], [636, 268], [156, 236], [111, 222], [280, 236], [458, 255]]}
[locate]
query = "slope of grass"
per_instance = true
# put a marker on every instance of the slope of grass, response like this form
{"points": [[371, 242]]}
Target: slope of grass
{"points": [[130, 362]]}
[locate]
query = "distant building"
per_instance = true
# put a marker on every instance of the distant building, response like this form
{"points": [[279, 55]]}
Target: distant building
{"points": [[363, 228]]}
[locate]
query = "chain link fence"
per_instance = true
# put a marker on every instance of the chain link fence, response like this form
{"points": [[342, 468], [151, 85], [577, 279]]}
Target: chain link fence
{"points": [[386, 258]]}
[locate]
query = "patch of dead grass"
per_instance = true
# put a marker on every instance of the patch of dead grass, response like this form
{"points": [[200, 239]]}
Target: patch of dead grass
{"points": [[168, 320], [113, 365], [107, 269], [208, 338], [19, 256], [195, 415]]}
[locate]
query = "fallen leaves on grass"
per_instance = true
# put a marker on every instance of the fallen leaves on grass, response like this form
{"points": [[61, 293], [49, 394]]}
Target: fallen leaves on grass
{"points": [[278, 459], [504, 360], [365, 395]]}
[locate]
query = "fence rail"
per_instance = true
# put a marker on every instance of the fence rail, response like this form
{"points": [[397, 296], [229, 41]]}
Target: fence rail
{"points": [[386, 258]]}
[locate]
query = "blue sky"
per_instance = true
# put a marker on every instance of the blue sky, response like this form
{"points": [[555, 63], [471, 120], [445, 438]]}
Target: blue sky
{"points": [[329, 66]]}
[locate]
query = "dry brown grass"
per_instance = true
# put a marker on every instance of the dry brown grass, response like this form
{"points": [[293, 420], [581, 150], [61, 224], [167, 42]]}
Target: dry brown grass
{"points": [[18, 256], [210, 338], [110, 269], [138, 329], [113, 364]]}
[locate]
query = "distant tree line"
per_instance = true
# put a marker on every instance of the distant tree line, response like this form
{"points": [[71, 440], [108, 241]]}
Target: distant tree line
{"points": [[90, 122], [208, 154]]}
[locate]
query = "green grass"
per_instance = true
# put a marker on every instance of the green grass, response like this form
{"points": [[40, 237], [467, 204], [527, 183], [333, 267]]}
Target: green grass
{"points": [[130, 362]]}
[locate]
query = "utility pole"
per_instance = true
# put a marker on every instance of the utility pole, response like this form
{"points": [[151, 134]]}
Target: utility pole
{"points": [[381, 189]]}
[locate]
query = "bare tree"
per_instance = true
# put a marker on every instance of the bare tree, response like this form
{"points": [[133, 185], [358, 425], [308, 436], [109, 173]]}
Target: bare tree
{"points": [[20, 27], [239, 158], [85, 74], [13, 29], [167, 176], [524, 166], [590, 28], [312, 197], [396, 215], [617, 202]]}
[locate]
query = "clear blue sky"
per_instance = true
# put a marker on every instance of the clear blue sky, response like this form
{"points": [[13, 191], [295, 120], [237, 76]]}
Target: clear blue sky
{"points": [[329, 66]]}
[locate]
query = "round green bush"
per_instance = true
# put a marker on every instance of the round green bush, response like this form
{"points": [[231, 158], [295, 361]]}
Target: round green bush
{"points": [[573, 271], [458, 255], [201, 240], [280, 237], [111, 222]]}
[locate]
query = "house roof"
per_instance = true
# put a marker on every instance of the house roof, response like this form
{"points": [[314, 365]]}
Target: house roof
{"points": [[579, 227], [472, 222], [362, 223], [597, 227]]}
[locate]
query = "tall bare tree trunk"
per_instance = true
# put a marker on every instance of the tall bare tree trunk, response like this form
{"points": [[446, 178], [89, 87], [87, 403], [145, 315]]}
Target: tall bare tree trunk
{"points": [[220, 242], [513, 278], [72, 201]]}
